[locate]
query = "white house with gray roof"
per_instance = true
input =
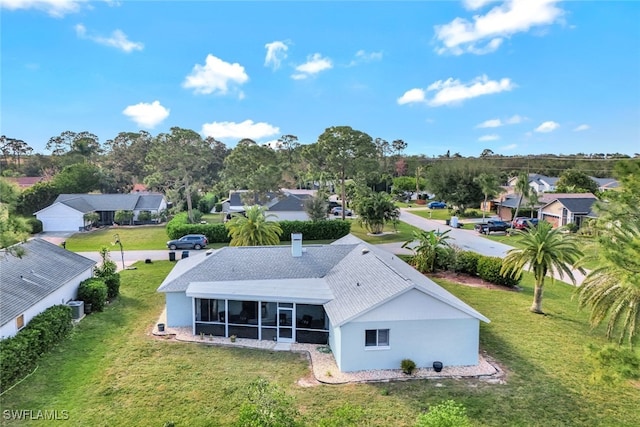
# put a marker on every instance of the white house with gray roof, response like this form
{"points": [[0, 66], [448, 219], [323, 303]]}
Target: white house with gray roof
{"points": [[371, 307], [46, 275], [67, 212]]}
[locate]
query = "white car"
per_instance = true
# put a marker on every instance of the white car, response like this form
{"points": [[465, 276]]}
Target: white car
{"points": [[337, 211]]}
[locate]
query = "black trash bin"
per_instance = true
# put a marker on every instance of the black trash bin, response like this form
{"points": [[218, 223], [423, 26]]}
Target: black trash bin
{"points": [[172, 256], [437, 366], [160, 327], [447, 221], [185, 254]]}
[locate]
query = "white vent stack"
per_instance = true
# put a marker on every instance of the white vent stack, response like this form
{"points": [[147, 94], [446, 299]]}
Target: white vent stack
{"points": [[296, 244]]}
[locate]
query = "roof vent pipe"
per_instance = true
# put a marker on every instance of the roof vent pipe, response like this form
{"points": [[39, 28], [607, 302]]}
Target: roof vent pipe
{"points": [[296, 244]]}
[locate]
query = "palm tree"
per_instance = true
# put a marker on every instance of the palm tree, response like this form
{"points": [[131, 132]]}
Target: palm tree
{"points": [[375, 210], [426, 252], [613, 289], [253, 228], [523, 189], [544, 250], [490, 188]]}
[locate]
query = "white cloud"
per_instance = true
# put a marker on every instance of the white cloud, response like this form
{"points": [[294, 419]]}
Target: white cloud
{"points": [[146, 115], [246, 129], [55, 8], [547, 127], [452, 91], [514, 120], [362, 56], [476, 4], [492, 137], [509, 147], [582, 128], [118, 39], [276, 53], [485, 33], [493, 123], [315, 63], [496, 123], [412, 95], [215, 76]]}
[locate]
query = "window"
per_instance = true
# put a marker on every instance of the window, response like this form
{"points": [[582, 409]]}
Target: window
{"points": [[376, 338], [20, 322]]}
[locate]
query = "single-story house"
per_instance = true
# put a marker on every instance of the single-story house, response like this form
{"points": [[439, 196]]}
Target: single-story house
{"points": [[68, 210], [46, 275], [369, 306], [540, 183], [287, 205], [507, 203], [567, 210]]}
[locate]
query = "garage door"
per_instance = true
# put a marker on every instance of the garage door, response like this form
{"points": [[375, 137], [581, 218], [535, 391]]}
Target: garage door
{"points": [[60, 223]]}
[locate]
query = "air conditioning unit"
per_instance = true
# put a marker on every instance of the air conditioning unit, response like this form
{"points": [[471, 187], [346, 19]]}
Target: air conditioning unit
{"points": [[77, 309]]}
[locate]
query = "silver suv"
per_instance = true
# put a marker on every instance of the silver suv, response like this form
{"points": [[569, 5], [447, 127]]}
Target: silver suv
{"points": [[190, 241]]}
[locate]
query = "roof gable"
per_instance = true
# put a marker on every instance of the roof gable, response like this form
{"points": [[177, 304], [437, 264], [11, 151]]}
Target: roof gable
{"points": [[43, 269], [111, 202]]}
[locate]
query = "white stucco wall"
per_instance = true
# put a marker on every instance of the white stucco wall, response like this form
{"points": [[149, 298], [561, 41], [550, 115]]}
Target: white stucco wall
{"points": [[60, 217], [421, 328], [62, 295], [454, 342], [179, 309]]}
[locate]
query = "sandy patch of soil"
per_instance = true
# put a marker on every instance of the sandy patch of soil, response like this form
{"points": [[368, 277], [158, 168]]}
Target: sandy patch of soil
{"points": [[474, 281]]}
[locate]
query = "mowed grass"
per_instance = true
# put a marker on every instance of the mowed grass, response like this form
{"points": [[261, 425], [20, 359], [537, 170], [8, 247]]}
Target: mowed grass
{"points": [[401, 232], [133, 238], [112, 372]]}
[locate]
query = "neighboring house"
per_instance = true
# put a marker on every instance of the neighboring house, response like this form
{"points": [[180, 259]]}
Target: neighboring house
{"points": [[507, 203], [24, 182], [68, 210], [371, 307], [568, 210], [606, 183], [287, 205], [540, 183], [46, 275]]}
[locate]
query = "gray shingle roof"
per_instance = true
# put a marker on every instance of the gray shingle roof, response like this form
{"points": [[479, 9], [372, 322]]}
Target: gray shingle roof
{"points": [[111, 202], [360, 276], [292, 202], [578, 205], [43, 269]]}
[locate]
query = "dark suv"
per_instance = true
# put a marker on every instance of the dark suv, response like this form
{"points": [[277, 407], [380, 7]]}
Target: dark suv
{"points": [[190, 241]]}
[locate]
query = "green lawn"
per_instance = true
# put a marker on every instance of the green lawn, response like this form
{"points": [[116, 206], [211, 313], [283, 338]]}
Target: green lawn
{"points": [[112, 373], [401, 233], [147, 237]]}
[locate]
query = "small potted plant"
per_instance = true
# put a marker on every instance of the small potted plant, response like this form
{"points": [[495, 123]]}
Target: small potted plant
{"points": [[233, 338]]}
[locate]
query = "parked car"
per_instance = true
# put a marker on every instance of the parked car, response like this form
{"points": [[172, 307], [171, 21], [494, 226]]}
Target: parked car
{"points": [[190, 241], [522, 222], [491, 225], [436, 205], [338, 211], [331, 205]]}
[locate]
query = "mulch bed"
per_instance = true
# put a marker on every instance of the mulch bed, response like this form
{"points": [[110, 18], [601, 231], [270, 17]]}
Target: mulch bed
{"points": [[474, 281]]}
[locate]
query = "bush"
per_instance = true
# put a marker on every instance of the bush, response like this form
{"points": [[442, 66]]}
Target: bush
{"points": [[445, 414], [445, 259], [144, 216], [573, 227], [36, 225], [218, 207], [113, 285], [407, 366], [93, 291], [19, 354], [217, 233], [467, 262], [613, 364], [489, 270]]}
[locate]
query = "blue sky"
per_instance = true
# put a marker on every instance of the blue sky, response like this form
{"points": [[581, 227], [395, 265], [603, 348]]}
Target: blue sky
{"points": [[517, 77]]}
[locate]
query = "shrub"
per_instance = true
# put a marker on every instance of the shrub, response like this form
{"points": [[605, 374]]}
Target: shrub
{"points": [[467, 262], [217, 233], [445, 414], [445, 258], [218, 207], [93, 291], [144, 216], [113, 285], [613, 364], [267, 405], [36, 225], [19, 354], [572, 227], [489, 270], [407, 366]]}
